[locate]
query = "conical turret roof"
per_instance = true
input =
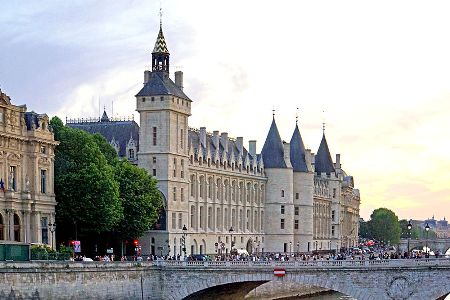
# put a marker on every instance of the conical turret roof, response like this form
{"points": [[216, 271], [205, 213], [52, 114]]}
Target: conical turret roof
{"points": [[160, 44], [272, 151], [298, 160], [105, 117], [323, 162]]}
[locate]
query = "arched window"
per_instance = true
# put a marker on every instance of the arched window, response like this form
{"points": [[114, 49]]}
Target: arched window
{"points": [[226, 186], [262, 221], [202, 217], [233, 218], [255, 220], [247, 220], [210, 187], [248, 191], [16, 228], [225, 218], [218, 219], [219, 189], [210, 218], [233, 191], [241, 221]]}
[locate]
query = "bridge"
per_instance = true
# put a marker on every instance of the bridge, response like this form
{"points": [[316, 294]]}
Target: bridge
{"points": [[361, 279], [442, 245]]}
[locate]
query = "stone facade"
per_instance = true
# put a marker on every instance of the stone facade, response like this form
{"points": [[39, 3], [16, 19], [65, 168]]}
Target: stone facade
{"points": [[27, 199]]}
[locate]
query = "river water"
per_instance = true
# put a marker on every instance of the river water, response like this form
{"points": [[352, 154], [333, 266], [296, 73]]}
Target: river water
{"points": [[331, 296]]}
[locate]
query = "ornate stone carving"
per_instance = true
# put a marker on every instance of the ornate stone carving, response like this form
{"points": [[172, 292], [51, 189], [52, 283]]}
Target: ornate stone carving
{"points": [[44, 161]]}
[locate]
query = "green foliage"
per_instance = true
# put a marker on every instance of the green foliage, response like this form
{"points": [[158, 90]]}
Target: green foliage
{"points": [[384, 226], [65, 250], [85, 189], [41, 249], [107, 150], [140, 199], [364, 229]]}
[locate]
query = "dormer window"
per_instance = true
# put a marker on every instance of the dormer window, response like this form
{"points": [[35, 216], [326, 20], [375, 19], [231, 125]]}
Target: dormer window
{"points": [[131, 153]]}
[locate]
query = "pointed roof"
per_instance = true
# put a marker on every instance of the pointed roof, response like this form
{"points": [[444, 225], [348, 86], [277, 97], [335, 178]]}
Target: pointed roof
{"points": [[272, 151], [105, 117], [298, 160], [160, 85], [160, 44], [323, 162]]}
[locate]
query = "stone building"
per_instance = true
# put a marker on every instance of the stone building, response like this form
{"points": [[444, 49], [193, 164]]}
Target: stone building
{"points": [[285, 199], [27, 199]]}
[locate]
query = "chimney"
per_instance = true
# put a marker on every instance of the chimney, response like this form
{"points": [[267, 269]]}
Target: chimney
{"points": [[308, 159], [287, 154], [147, 75], [338, 161], [224, 141], [252, 148], [203, 136], [215, 138], [179, 79], [240, 144]]}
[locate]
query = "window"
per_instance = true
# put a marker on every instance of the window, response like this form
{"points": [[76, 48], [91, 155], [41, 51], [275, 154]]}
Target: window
{"points": [[162, 98], [182, 169], [44, 230], [282, 193], [174, 220], [181, 194], [296, 210], [192, 186], [43, 150], [180, 221], [282, 209], [154, 161], [247, 219], [210, 212], [153, 99], [295, 224], [16, 228], [296, 195], [154, 172], [174, 167], [218, 218], [282, 223], [202, 216], [193, 216], [332, 215], [332, 230], [174, 194], [154, 135], [131, 153], [12, 182], [143, 99], [43, 181], [181, 138]]}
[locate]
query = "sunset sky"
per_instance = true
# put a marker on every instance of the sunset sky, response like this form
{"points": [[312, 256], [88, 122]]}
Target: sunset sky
{"points": [[380, 71]]}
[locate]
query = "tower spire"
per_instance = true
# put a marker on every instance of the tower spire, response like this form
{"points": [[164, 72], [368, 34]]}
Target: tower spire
{"points": [[160, 15], [296, 117], [160, 54]]}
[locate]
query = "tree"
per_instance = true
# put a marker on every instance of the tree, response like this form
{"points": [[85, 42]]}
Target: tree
{"points": [[384, 225], [86, 190], [140, 199], [363, 229]]}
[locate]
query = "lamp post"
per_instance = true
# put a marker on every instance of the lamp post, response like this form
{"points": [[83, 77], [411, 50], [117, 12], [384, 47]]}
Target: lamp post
{"points": [[290, 245], [427, 228], [231, 238], [409, 233], [183, 240], [52, 228]]}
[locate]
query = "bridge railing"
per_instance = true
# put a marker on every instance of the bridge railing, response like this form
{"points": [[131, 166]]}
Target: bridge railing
{"points": [[306, 263]]}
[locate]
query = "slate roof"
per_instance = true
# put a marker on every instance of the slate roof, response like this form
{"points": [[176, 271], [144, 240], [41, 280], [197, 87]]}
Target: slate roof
{"points": [[194, 141], [121, 131], [297, 152], [160, 84], [160, 44], [32, 118], [273, 151], [323, 162]]}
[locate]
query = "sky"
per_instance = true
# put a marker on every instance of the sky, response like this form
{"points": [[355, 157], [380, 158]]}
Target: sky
{"points": [[376, 73]]}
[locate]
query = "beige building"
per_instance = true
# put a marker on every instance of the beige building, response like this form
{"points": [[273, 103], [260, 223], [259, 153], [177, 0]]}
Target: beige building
{"points": [[285, 199], [27, 199]]}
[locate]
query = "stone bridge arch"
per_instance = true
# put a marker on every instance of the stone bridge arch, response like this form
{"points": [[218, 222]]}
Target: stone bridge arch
{"points": [[375, 283]]}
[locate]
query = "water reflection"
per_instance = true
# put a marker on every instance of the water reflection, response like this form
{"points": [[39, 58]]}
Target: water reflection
{"points": [[331, 296]]}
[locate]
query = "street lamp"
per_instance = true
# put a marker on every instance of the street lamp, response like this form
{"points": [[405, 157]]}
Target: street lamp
{"points": [[231, 238], [183, 240], [52, 228], [409, 233], [290, 245], [427, 228]]}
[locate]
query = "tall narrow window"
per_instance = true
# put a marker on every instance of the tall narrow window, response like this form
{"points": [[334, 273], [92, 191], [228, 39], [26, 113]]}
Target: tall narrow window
{"points": [[180, 221], [16, 228], [296, 224], [202, 217], [174, 220], [210, 212], [174, 194], [282, 223], [181, 194], [181, 139], [131, 153], [282, 209], [174, 167], [182, 169], [192, 216], [296, 210], [282, 193], [44, 230], [154, 136], [43, 181]]}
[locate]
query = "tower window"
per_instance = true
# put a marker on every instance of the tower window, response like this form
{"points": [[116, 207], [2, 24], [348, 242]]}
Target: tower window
{"points": [[181, 139], [43, 181], [131, 153], [182, 194], [174, 194], [295, 224], [154, 136], [296, 210], [143, 99], [282, 224], [296, 195], [282, 193], [153, 99], [162, 98], [282, 209], [154, 172]]}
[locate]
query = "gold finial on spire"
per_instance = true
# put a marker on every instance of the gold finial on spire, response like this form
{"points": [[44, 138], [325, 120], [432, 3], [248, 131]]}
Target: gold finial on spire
{"points": [[296, 117]]}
